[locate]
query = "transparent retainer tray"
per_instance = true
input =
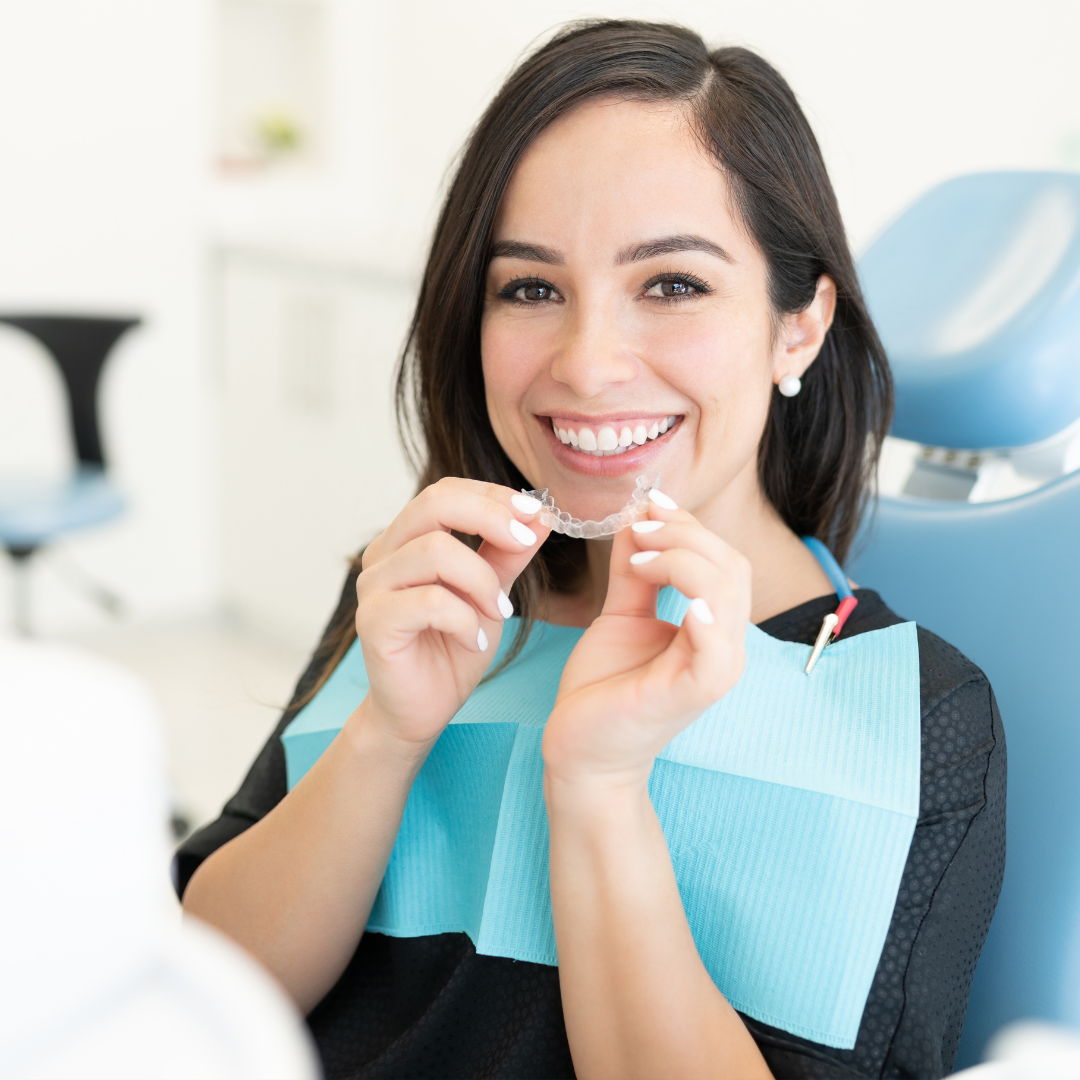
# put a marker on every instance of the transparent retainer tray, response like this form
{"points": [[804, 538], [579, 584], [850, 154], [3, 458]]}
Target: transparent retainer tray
{"points": [[560, 521]]}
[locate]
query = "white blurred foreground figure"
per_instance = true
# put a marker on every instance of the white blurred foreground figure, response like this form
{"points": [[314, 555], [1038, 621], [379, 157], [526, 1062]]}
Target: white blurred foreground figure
{"points": [[1030, 1050], [100, 977]]}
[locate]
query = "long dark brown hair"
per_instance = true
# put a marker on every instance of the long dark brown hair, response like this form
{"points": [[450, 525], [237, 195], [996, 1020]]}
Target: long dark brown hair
{"points": [[819, 449]]}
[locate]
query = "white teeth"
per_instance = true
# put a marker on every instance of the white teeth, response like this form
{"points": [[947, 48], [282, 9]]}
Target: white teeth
{"points": [[606, 442]]}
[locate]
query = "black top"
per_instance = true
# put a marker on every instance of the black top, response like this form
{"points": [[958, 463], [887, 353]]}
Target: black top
{"points": [[431, 1007]]}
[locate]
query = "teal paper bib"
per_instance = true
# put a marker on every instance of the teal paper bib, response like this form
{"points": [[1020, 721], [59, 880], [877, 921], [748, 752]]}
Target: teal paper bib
{"points": [[788, 809]]}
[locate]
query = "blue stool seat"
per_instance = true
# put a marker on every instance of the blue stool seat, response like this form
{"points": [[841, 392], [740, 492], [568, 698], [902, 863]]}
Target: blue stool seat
{"points": [[975, 291], [33, 513], [1001, 582]]}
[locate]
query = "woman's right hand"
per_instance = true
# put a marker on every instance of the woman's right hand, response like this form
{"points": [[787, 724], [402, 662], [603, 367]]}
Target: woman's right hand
{"points": [[430, 610]]}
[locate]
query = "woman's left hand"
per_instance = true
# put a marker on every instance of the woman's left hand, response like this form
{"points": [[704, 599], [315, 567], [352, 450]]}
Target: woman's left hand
{"points": [[634, 681]]}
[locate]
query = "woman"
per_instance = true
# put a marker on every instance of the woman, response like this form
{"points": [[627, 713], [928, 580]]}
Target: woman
{"points": [[640, 246]]}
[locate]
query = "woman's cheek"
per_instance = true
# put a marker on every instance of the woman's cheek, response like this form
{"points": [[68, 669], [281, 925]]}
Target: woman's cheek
{"points": [[701, 357], [497, 361], [510, 351], [507, 358]]}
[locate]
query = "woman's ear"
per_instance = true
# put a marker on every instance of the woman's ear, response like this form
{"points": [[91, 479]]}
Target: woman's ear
{"points": [[803, 332]]}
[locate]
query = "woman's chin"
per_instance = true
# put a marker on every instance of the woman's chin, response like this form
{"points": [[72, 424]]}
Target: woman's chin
{"points": [[592, 498]]}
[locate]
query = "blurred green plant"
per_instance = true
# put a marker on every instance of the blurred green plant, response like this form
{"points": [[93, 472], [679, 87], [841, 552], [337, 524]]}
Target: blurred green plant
{"points": [[279, 132]]}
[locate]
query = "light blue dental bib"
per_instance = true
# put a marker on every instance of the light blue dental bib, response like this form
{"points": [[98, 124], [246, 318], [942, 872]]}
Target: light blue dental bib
{"points": [[788, 809]]}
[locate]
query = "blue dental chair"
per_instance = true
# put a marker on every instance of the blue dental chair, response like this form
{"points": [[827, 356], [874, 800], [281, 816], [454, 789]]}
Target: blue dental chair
{"points": [[976, 293], [34, 513]]}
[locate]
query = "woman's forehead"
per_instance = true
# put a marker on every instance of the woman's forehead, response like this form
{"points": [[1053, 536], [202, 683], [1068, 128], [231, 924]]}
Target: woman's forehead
{"points": [[617, 171]]}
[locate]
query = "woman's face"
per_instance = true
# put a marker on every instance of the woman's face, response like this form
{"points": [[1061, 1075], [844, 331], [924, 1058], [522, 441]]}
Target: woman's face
{"points": [[627, 327]]}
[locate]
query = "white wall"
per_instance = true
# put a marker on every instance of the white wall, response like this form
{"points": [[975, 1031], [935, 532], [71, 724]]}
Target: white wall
{"points": [[102, 108], [105, 143], [311, 465], [901, 95]]}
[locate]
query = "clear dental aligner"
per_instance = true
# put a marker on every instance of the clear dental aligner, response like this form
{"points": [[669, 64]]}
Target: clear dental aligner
{"points": [[560, 521]]}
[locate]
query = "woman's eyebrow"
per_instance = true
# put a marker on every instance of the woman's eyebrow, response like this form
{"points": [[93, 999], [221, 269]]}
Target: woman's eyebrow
{"points": [[517, 249], [666, 245]]}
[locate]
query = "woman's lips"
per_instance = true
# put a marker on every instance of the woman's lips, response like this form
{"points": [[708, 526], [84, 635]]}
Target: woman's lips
{"points": [[618, 461]]}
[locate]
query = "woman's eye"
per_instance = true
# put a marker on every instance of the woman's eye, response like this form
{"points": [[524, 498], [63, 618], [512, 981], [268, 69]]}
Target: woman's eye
{"points": [[529, 292], [671, 289], [534, 292]]}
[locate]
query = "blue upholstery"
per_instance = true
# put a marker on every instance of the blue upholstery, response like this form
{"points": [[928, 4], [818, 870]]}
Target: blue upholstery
{"points": [[1001, 582], [33, 513], [975, 290]]}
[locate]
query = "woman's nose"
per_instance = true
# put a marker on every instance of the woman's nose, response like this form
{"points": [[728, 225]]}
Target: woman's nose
{"points": [[594, 354]]}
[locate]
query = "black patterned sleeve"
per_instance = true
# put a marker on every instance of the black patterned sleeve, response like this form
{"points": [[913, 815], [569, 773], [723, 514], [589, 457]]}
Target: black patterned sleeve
{"points": [[951, 885], [915, 1010], [264, 786]]}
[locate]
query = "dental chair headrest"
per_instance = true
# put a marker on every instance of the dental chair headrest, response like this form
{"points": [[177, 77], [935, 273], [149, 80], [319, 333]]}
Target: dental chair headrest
{"points": [[975, 290]]}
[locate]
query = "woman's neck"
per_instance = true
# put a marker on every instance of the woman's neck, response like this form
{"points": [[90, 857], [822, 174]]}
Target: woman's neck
{"points": [[580, 607]]}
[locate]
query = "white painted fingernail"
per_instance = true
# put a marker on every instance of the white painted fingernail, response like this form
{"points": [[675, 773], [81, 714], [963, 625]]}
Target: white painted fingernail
{"points": [[640, 557], [522, 533], [525, 503], [481, 640], [701, 611], [665, 502], [647, 526], [505, 607]]}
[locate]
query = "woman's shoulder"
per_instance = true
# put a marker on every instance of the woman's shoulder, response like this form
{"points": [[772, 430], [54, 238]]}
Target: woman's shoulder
{"points": [[963, 741], [959, 716], [943, 668]]}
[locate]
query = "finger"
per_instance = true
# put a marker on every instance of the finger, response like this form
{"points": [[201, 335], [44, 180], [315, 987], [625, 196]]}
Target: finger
{"points": [[437, 558], [725, 589], [501, 516], [399, 616], [665, 526], [508, 565], [629, 593], [686, 532], [660, 507], [711, 640]]}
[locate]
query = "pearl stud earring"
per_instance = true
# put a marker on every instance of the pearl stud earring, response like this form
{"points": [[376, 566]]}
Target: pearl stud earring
{"points": [[790, 385]]}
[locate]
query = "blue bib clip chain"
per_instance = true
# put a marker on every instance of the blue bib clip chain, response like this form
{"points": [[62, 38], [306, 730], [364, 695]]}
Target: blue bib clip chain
{"points": [[833, 623]]}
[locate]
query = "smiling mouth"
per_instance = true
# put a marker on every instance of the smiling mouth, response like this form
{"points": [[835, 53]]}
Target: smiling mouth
{"points": [[612, 438]]}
